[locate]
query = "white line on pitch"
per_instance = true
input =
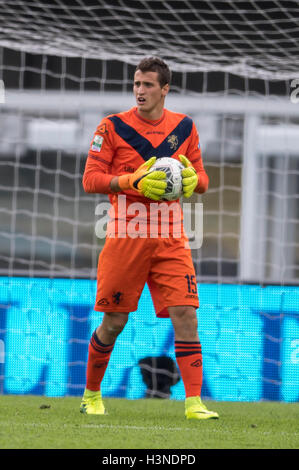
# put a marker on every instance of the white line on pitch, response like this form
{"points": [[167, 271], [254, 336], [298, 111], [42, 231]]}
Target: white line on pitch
{"points": [[100, 425], [136, 428]]}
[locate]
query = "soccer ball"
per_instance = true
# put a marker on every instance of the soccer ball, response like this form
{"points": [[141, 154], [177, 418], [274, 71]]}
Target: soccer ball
{"points": [[172, 168]]}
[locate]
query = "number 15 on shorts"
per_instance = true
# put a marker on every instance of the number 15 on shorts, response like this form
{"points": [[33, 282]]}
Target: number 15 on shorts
{"points": [[191, 282]]}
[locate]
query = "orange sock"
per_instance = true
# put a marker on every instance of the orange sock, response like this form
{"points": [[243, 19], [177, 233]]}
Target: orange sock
{"points": [[189, 359], [98, 358]]}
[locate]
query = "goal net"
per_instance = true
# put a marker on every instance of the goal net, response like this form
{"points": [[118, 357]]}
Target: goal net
{"points": [[66, 64]]}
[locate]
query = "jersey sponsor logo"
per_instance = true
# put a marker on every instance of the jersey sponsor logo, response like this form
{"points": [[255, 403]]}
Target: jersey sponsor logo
{"points": [[97, 143], [155, 132]]}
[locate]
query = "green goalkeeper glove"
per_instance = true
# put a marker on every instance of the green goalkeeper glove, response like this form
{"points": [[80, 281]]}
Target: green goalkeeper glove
{"points": [[189, 177], [150, 184]]}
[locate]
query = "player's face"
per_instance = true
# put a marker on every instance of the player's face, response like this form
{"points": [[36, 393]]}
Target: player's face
{"points": [[149, 94]]}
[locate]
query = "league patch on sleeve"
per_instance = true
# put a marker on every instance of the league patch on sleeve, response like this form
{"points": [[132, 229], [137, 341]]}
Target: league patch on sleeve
{"points": [[97, 143]]}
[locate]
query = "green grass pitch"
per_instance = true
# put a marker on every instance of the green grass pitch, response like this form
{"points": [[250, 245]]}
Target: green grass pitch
{"points": [[37, 422]]}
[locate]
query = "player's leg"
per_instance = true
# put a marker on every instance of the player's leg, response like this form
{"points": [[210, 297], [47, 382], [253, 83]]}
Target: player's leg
{"points": [[99, 352], [187, 348], [176, 296], [112, 325], [122, 273], [189, 359], [101, 346]]}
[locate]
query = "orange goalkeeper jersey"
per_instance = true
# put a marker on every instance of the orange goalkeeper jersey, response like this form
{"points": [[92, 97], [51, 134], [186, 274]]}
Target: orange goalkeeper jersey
{"points": [[123, 141]]}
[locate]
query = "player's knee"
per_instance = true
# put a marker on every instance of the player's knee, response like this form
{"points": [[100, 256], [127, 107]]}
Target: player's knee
{"points": [[115, 323], [184, 320], [183, 313]]}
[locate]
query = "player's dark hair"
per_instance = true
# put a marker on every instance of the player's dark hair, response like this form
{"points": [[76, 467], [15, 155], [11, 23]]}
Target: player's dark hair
{"points": [[155, 64]]}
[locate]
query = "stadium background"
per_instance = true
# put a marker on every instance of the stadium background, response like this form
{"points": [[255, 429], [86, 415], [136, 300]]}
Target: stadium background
{"points": [[234, 77]]}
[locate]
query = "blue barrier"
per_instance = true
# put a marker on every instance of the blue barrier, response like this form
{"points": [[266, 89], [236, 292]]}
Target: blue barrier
{"points": [[249, 336]]}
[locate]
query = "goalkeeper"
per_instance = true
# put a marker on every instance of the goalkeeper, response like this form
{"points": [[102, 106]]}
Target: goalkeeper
{"points": [[121, 155]]}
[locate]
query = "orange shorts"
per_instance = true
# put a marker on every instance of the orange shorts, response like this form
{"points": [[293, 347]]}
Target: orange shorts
{"points": [[127, 264]]}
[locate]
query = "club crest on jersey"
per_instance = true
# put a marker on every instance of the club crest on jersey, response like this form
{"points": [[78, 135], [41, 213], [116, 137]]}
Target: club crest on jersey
{"points": [[97, 143], [173, 141]]}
